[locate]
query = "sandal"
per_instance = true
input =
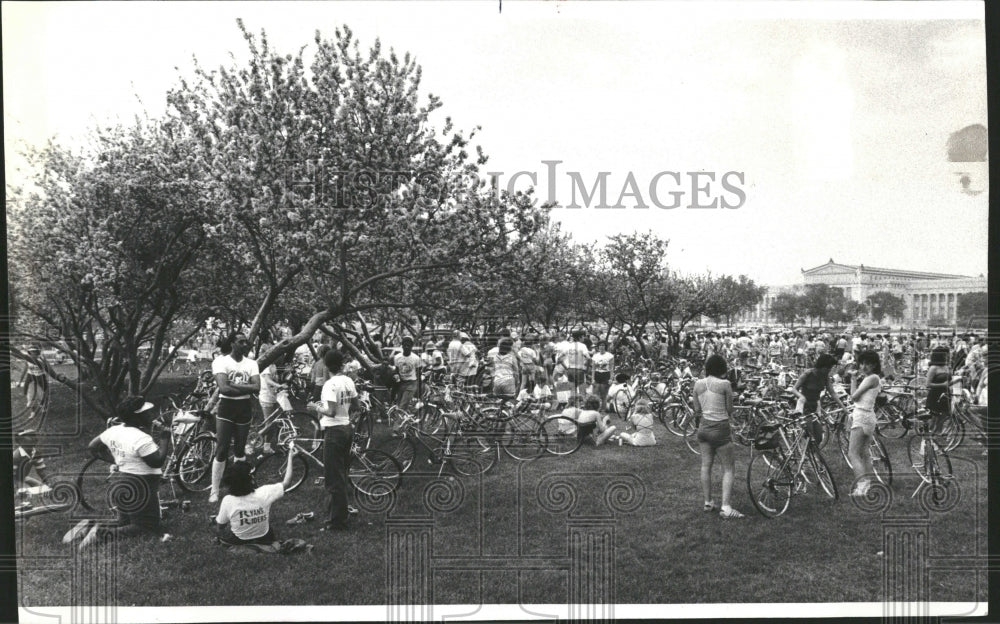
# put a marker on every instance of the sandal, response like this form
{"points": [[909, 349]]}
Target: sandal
{"points": [[711, 507], [731, 514]]}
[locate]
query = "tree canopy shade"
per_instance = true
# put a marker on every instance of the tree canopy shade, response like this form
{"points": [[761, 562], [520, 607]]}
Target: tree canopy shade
{"points": [[107, 252], [972, 308], [314, 193], [884, 304]]}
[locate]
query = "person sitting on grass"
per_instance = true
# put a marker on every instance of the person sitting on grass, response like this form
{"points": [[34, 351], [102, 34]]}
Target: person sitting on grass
{"points": [[244, 514], [591, 425], [642, 419]]}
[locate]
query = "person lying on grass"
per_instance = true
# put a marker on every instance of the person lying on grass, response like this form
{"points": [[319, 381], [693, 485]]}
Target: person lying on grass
{"points": [[642, 419], [244, 514], [591, 425]]}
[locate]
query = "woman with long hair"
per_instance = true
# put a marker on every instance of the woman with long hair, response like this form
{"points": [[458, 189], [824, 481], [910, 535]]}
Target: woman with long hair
{"points": [[238, 379]]}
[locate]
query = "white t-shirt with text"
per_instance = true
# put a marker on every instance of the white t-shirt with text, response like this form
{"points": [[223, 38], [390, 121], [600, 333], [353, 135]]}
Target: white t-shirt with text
{"points": [[129, 445], [338, 390], [237, 372], [249, 516]]}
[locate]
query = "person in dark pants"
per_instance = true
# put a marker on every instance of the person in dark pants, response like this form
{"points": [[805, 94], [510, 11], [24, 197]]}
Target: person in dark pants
{"points": [[134, 491], [337, 399]]}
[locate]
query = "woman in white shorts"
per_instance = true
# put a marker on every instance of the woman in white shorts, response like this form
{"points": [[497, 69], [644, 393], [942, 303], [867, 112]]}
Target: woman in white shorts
{"points": [[863, 394]]}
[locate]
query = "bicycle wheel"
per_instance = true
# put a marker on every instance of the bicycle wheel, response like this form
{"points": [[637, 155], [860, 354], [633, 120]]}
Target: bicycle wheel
{"points": [[621, 403], [561, 434], [523, 439], [306, 432], [472, 454], [676, 419], [769, 483], [952, 433], [271, 469], [891, 421], [375, 473], [93, 485], [881, 465], [822, 472], [691, 440], [194, 467], [431, 418], [402, 448], [937, 469]]}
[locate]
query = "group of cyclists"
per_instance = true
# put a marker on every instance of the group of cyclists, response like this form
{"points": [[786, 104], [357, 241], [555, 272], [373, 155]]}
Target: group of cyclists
{"points": [[575, 370]]}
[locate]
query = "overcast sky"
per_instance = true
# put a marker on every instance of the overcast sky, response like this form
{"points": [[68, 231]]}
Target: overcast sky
{"points": [[836, 115]]}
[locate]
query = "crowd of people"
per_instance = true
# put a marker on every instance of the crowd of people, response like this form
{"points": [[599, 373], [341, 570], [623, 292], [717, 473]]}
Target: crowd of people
{"points": [[575, 369]]}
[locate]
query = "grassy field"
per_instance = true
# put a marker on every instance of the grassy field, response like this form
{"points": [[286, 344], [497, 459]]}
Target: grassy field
{"points": [[665, 550]]}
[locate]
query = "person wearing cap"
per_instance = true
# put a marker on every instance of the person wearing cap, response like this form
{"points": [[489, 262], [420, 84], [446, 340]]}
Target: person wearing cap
{"points": [[136, 484], [433, 360]]}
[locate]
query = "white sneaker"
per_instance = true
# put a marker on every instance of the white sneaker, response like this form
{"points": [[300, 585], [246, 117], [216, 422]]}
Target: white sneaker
{"points": [[78, 530], [91, 537], [862, 488], [213, 497], [167, 537]]}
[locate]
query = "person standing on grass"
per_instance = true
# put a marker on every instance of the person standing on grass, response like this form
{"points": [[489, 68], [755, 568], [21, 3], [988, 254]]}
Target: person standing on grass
{"points": [[712, 397], [576, 360], [454, 352], [506, 368], [408, 367], [238, 379], [604, 368], [244, 514], [35, 383], [135, 486], [319, 373], [338, 398], [468, 362], [813, 382], [863, 394], [529, 363]]}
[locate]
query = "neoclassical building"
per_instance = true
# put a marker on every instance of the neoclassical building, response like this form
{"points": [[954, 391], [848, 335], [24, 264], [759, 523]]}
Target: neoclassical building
{"points": [[927, 295]]}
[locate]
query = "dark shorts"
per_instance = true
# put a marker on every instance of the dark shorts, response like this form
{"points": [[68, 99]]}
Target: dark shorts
{"points": [[576, 376], [715, 433], [236, 411], [602, 377]]}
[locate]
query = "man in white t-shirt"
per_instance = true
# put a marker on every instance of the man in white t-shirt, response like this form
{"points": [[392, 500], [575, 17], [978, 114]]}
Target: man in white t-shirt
{"points": [[576, 360], [454, 352], [468, 364], [408, 367], [337, 399]]}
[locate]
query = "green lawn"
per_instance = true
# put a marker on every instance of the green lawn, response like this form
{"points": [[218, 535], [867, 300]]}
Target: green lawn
{"points": [[665, 551]]}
